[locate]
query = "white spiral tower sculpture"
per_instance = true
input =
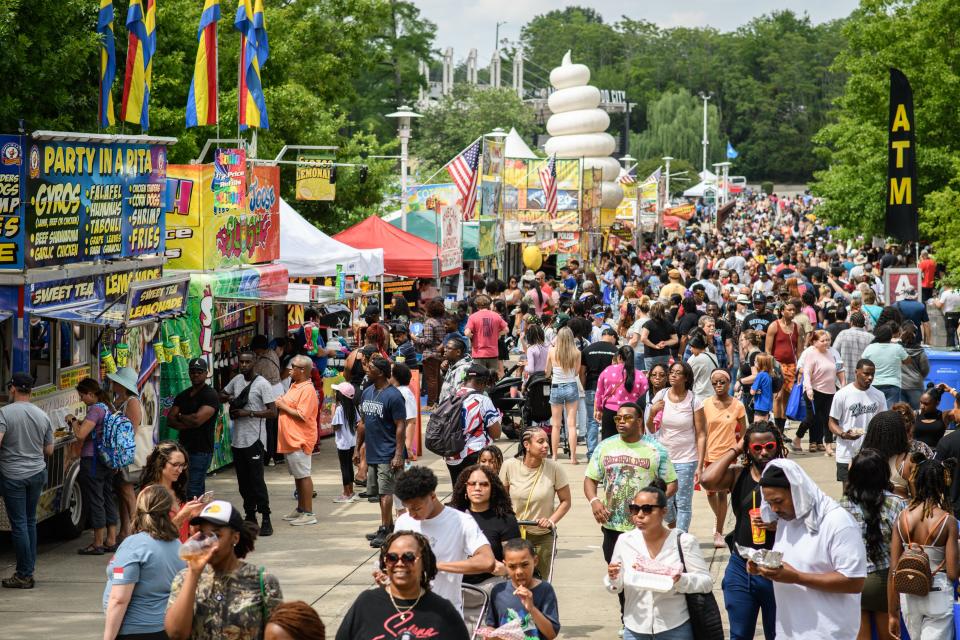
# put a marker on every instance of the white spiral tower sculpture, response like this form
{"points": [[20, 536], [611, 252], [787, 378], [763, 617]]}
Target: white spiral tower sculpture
{"points": [[578, 128]]}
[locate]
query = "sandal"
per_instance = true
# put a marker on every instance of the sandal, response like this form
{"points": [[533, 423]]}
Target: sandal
{"points": [[821, 448], [110, 548], [91, 550], [812, 449]]}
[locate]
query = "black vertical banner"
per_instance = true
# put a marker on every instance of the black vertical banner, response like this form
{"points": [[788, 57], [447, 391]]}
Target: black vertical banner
{"points": [[902, 162]]}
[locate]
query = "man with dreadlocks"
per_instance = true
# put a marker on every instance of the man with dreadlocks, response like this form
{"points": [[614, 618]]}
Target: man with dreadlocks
{"points": [[927, 520], [738, 470]]}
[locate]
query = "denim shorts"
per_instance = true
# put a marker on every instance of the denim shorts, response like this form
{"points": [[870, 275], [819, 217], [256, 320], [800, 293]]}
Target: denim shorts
{"points": [[564, 393]]}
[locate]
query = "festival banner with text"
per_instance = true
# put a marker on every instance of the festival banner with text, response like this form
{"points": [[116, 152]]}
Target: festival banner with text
{"points": [[94, 201], [902, 203], [12, 191]]}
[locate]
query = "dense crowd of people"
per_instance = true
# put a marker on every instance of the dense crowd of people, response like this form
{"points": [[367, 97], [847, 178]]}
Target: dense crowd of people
{"points": [[714, 361]]}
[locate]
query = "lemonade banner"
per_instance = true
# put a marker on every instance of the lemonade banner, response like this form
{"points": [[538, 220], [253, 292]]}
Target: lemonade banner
{"points": [[313, 177]]}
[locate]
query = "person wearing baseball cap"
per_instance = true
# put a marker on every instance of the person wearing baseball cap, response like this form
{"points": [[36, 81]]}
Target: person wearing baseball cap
{"points": [[761, 317], [26, 439], [220, 595], [194, 415], [344, 425], [914, 311]]}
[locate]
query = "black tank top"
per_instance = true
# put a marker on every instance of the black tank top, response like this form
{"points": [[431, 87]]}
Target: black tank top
{"points": [[745, 491]]}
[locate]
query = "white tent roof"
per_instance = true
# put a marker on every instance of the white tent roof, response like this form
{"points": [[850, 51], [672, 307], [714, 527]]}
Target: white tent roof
{"points": [[307, 251], [516, 147], [708, 176], [700, 190]]}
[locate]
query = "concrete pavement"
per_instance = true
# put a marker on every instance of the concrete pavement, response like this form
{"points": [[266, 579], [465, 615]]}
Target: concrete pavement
{"points": [[327, 565]]}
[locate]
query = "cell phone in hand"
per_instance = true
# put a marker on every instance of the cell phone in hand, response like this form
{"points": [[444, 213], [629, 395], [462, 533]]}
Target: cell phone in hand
{"points": [[206, 498]]}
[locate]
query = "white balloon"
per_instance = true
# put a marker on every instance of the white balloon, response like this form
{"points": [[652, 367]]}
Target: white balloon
{"points": [[611, 194], [569, 74], [579, 121], [573, 98], [610, 166], [581, 145]]}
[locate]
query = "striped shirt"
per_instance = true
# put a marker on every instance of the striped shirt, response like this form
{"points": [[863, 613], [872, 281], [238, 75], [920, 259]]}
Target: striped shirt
{"points": [[851, 343]]}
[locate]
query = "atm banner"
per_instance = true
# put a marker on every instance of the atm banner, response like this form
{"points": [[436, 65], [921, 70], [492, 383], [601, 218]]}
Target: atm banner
{"points": [[91, 200]]}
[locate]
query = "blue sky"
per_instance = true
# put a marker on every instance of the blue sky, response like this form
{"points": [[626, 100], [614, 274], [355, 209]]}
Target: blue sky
{"points": [[464, 24]]}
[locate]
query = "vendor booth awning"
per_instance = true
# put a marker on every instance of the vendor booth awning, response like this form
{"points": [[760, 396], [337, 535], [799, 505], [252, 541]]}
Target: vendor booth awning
{"points": [[700, 190], [423, 224], [308, 252], [95, 313], [404, 254]]}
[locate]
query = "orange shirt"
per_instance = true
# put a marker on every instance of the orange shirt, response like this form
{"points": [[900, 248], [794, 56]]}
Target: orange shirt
{"points": [[296, 434], [722, 425]]}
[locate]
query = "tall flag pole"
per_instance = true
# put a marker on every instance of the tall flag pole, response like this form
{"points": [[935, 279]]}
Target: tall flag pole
{"points": [[548, 178], [108, 63], [141, 45], [202, 102], [254, 51], [464, 169], [902, 218]]}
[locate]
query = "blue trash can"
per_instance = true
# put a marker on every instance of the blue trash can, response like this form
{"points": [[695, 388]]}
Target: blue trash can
{"points": [[944, 367]]}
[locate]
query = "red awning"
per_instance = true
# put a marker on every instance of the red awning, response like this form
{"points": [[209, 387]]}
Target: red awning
{"points": [[404, 254]]}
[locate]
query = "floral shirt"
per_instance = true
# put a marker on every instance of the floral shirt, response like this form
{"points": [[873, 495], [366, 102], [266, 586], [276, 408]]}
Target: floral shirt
{"points": [[231, 606]]}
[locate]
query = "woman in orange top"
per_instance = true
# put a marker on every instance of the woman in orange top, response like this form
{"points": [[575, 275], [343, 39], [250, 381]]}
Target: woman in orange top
{"points": [[726, 419]]}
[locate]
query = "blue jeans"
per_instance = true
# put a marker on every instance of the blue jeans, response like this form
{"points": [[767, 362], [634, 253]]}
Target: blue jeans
{"points": [[593, 427], [890, 392], [911, 397], [683, 632], [649, 361], [744, 596], [199, 463], [680, 506], [20, 498]]}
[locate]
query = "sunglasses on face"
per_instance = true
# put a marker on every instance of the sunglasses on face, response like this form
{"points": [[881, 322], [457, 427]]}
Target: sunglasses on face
{"points": [[408, 557], [716, 382], [619, 419], [758, 447], [646, 509]]}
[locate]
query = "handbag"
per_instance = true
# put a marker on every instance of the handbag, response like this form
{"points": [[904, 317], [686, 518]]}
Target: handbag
{"points": [[796, 407], [703, 609]]}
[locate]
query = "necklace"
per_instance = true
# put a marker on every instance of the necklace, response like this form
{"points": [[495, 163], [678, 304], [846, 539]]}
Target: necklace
{"points": [[403, 610]]}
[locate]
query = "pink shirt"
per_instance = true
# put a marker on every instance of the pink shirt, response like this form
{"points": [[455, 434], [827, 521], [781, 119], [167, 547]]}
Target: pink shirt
{"points": [[611, 388], [485, 327], [820, 371]]}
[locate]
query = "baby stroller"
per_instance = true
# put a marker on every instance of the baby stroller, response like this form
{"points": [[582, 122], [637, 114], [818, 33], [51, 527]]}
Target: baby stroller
{"points": [[502, 396], [535, 411]]}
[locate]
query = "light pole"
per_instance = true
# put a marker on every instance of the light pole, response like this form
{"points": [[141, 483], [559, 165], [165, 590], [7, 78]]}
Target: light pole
{"points": [[496, 45], [403, 116], [706, 143], [666, 161]]}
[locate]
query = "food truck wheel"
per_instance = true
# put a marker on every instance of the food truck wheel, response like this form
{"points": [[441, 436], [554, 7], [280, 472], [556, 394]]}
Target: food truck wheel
{"points": [[69, 522]]}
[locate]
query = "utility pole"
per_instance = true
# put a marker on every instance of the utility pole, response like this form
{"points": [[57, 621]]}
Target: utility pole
{"points": [[659, 230], [706, 143], [496, 44]]}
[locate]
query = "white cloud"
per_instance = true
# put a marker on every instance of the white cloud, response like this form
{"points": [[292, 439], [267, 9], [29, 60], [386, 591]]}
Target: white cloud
{"points": [[466, 24]]}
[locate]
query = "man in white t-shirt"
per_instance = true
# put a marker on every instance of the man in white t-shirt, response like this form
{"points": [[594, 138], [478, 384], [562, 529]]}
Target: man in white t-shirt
{"points": [[455, 537], [850, 413], [824, 566]]}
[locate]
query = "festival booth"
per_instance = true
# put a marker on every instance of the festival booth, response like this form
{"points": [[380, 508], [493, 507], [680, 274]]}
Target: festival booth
{"points": [[404, 254], [82, 288]]}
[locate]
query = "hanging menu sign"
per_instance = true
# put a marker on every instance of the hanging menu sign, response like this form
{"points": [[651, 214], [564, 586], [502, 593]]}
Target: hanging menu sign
{"points": [[91, 200]]}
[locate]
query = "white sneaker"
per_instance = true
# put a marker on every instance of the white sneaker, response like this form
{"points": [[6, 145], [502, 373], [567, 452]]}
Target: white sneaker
{"points": [[620, 633], [344, 499], [304, 518], [293, 515]]}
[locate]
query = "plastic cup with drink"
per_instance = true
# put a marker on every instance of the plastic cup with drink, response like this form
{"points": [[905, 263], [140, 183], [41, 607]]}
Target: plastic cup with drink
{"points": [[197, 546], [759, 533]]}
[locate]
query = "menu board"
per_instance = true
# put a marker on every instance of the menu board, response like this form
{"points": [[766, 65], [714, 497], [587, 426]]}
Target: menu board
{"points": [[94, 200]]}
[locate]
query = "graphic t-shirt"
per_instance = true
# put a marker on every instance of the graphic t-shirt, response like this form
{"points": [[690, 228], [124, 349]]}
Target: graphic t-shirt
{"points": [[372, 615], [623, 468], [852, 409], [506, 607], [380, 410], [485, 327], [479, 415]]}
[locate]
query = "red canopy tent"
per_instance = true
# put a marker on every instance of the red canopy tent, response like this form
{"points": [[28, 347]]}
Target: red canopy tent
{"points": [[404, 254]]}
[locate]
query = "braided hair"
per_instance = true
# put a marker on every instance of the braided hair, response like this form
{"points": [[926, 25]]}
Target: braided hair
{"points": [[765, 427], [930, 482], [299, 620], [867, 482], [887, 434], [426, 555]]}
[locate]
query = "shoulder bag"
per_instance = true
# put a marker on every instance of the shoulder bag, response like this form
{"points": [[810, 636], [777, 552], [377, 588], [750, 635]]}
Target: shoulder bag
{"points": [[703, 609]]}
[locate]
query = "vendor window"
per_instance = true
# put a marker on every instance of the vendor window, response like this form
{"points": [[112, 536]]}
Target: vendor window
{"points": [[73, 344], [41, 351]]}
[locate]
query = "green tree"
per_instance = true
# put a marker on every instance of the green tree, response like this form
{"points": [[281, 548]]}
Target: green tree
{"points": [[460, 118], [579, 29], [675, 128]]}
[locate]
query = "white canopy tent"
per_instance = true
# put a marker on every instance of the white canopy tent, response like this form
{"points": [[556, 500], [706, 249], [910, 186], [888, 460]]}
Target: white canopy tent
{"points": [[307, 251], [515, 147], [700, 190]]}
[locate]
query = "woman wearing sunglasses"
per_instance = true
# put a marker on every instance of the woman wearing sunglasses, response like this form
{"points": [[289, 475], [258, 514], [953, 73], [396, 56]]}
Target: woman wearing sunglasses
{"points": [[405, 607], [648, 568], [726, 420], [738, 471]]}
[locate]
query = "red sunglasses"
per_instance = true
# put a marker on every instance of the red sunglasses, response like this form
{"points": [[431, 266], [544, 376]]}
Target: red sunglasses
{"points": [[766, 446]]}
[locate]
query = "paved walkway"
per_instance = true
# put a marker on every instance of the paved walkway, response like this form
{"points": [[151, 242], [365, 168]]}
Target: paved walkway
{"points": [[329, 564]]}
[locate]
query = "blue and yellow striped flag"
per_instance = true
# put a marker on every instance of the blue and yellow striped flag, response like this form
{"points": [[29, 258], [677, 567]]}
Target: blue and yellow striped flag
{"points": [[254, 51], [108, 63], [142, 44], [202, 101]]}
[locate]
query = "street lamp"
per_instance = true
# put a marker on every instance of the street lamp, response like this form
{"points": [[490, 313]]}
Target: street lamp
{"points": [[706, 143], [666, 188], [403, 116]]}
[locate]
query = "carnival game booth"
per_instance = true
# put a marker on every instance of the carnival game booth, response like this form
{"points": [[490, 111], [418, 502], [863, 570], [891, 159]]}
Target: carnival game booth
{"points": [[82, 289]]}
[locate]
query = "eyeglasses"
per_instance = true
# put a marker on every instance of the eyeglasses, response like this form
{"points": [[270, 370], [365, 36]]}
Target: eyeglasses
{"points": [[178, 465], [619, 419], [646, 509], [757, 447], [481, 483], [408, 557]]}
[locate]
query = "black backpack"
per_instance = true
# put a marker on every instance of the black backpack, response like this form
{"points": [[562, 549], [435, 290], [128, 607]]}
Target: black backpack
{"points": [[444, 435]]}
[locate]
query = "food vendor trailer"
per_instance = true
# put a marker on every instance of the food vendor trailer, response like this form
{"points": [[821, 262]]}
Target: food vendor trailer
{"points": [[81, 279]]}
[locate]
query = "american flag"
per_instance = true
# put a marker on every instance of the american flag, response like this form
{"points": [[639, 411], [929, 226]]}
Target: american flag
{"points": [[463, 170], [548, 178], [627, 177]]}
